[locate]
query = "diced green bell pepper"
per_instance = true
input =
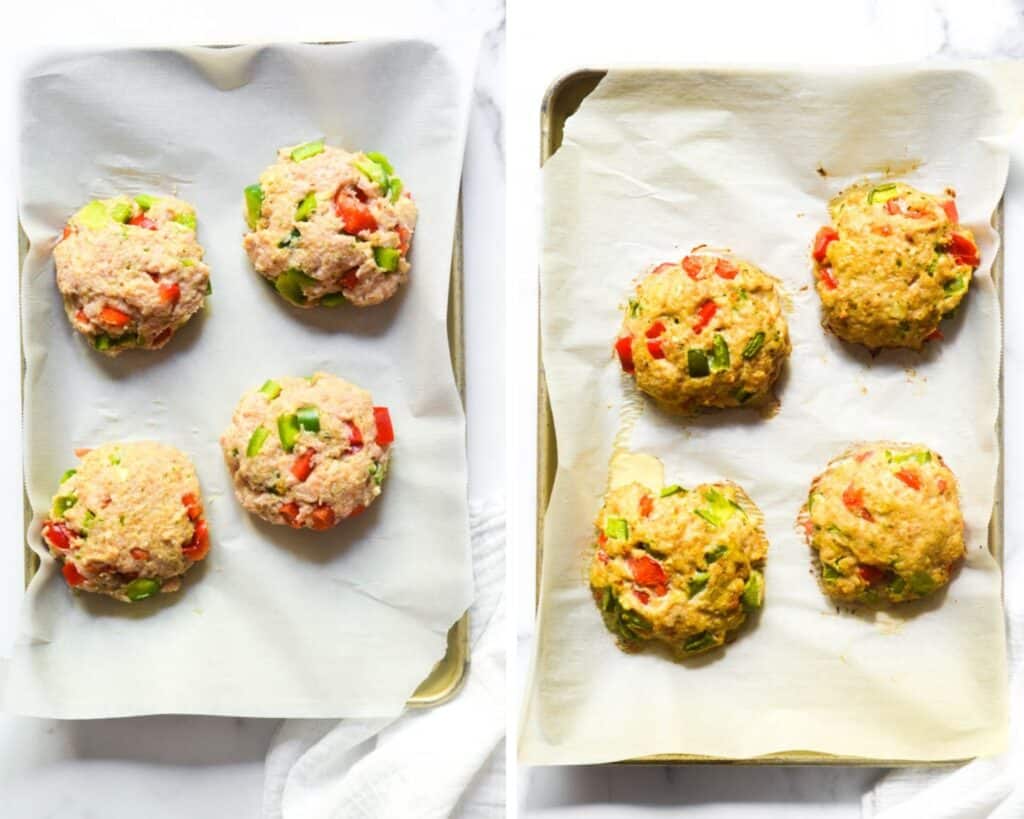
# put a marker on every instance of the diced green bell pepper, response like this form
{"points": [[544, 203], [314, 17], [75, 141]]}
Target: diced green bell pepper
{"points": [[309, 418], [753, 592], [720, 508], [121, 212], [271, 389], [616, 528], [697, 583], [668, 491], [256, 441], [288, 430], [830, 572], [306, 208], [101, 342], [697, 363], [378, 472], [386, 258], [95, 215], [754, 346], [381, 160], [186, 219], [145, 201], [373, 171], [141, 588], [291, 240], [290, 283], [715, 552], [955, 285], [883, 193], [88, 520], [333, 300], [395, 185], [922, 583], [897, 585], [307, 150], [719, 359], [68, 474], [921, 456], [61, 504], [253, 205], [699, 642]]}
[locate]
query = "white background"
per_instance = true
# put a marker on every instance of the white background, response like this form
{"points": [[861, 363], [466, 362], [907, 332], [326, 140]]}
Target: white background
{"points": [[546, 39]]}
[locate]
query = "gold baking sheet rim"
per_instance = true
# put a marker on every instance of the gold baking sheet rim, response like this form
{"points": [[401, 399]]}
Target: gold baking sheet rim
{"points": [[446, 678], [561, 101]]}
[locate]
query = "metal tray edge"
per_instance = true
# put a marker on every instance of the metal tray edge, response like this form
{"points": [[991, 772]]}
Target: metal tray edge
{"points": [[562, 98]]}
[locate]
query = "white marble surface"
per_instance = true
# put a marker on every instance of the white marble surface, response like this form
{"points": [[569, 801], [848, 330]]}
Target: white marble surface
{"points": [[548, 39], [208, 767]]}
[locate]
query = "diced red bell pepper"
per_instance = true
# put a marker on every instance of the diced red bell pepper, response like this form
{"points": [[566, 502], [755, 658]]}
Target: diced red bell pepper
{"points": [[290, 512], [140, 554], [705, 313], [951, 212], [385, 431], [893, 206], [350, 280], [82, 451], [163, 335], [322, 517], [642, 596], [654, 346], [646, 506], [809, 527], [853, 499], [941, 485], [170, 293], [355, 216], [661, 268], [827, 278], [66, 233], [57, 535], [81, 316], [693, 266], [919, 213], [199, 546], [142, 221], [624, 347], [404, 237], [303, 465], [934, 335], [825, 236], [882, 230], [72, 575], [910, 478], [114, 317], [357, 511], [602, 555], [863, 456], [726, 269], [870, 574], [964, 250], [355, 437], [192, 506], [647, 571]]}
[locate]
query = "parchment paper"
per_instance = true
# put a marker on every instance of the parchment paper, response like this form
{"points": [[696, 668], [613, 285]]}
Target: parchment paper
{"points": [[275, 623], [654, 163]]}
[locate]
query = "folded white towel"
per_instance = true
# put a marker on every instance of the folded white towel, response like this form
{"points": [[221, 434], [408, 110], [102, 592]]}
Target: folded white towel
{"points": [[433, 763], [990, 788]]}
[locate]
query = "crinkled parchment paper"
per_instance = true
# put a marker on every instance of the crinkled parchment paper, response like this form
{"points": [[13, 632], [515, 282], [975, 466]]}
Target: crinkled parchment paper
{"points": [[654, 163], [275, 623]]}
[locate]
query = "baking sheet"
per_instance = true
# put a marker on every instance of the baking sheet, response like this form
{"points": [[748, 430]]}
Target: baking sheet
{"points": [[275, 623], [658, 161]]}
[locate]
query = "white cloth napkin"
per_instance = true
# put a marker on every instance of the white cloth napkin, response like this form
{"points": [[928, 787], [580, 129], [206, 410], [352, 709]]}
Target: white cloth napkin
{"points": [[991, 788], [440, 762]]}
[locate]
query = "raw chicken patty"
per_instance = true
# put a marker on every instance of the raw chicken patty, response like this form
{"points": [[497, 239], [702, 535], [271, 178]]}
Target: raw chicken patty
{"points": [[131, 271], [328, 226], [307, 452], [128, 522]]}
